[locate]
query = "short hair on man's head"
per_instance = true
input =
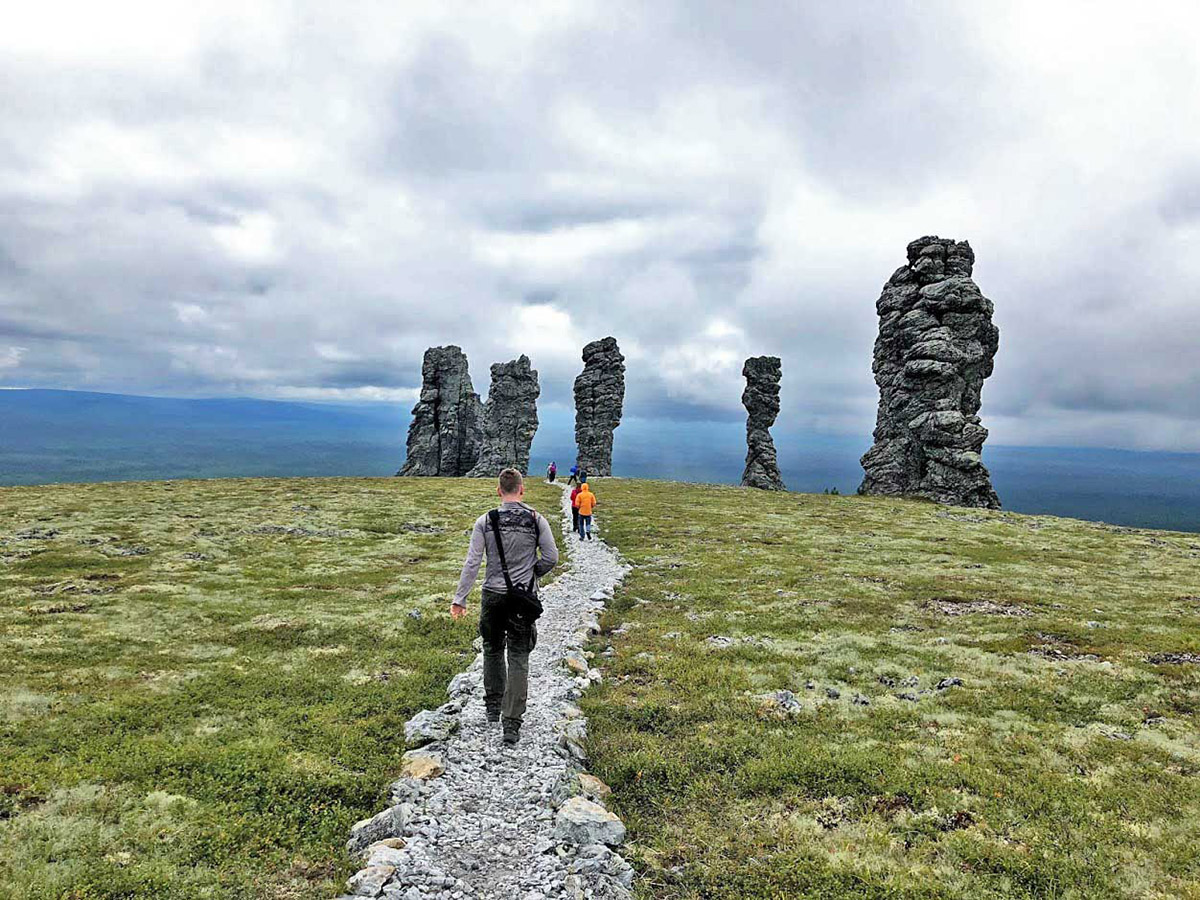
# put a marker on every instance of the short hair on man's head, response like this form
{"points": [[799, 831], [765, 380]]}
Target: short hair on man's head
{"points": [[510, 481]]}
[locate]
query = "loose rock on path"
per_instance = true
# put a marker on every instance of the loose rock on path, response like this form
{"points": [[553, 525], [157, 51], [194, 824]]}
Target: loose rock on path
{"points": [[520, 823]]}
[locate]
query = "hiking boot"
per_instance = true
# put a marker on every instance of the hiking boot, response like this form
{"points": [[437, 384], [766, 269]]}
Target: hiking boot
{"points": [[493, 718], [511, 734]]}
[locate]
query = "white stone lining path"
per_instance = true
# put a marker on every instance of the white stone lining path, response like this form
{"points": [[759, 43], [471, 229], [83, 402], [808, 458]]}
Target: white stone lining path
{"points": [[509, 823]]}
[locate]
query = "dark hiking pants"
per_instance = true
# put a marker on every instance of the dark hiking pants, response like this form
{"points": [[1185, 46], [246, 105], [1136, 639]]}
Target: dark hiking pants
{"points": [[575, 519], [505, 686]]}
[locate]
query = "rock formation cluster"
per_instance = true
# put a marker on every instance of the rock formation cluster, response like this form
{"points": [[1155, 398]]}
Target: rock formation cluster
{"points": [[510, 419], [935, 348], [445, 434], [599, 399], [761, 399]]}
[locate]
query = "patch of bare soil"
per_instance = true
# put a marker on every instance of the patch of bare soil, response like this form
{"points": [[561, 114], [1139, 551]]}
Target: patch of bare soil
{"points": [[961, 606], [1173, 659]]}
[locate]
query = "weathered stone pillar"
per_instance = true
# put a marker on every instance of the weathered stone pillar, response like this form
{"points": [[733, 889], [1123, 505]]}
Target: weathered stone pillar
{"points": [[935, 348], [599, 398], [444, 435], [761, 399], [510, 419]]}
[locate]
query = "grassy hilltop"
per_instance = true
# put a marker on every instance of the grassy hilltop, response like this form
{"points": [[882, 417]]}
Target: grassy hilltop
{"points": [[1065, 763], [202, 684]]}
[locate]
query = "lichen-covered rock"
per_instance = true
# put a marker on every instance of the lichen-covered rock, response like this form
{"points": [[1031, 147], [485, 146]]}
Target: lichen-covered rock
{"points": [[778, 705], [510, 419], [432, 724], [387, 824], [598, 863], [369, 882], [935, 348], [761, 399], [599, 401], [581, 821], [445, 434], [423, 764]]}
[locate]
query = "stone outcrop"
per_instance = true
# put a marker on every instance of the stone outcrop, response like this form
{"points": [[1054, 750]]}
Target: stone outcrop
{"points": [[510, 419], [445, 433], [935, 348], [599, 399], [761, 399]]}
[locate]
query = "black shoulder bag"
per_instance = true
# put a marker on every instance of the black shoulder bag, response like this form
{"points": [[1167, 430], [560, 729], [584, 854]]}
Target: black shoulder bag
{"points": [[523, 602]]}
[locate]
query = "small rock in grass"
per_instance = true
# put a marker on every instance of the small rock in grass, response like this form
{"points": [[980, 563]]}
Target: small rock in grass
{"points": [[832, 693], [778, 705], [415, 614], [909, 696], [948, 683], [576, 662], [423, 764], [860, 700], [719, 642]]}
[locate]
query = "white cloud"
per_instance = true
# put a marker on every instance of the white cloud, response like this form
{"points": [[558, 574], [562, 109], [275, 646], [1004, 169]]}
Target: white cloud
{"points": [[251, 239], [10, 357], [365, 393], [226, 198]]}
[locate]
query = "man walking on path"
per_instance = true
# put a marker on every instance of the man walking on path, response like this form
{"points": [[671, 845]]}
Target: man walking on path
{"points": [[524, 532], [575, 508], [587, 502]]}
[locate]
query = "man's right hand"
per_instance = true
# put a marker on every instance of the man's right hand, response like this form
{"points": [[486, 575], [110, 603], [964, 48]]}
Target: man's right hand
{"points": [[456, 611]]}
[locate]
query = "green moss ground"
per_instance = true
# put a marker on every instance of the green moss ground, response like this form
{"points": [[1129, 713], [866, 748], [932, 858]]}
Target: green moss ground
{"points": [[1067, 764], [193, 704]]}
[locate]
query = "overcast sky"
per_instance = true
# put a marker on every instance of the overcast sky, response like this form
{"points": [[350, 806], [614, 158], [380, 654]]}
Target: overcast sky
{"points": [[295, 200]]}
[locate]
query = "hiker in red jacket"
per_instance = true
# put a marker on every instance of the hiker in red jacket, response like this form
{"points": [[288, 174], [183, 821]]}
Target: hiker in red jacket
{"points": [[575, 508]]}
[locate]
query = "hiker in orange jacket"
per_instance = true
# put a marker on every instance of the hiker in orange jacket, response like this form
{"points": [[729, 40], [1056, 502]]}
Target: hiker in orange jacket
{"points": [[586, 502]]}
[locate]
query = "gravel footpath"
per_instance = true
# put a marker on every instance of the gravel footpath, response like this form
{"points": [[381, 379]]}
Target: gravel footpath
{"points": [[474, 819]]}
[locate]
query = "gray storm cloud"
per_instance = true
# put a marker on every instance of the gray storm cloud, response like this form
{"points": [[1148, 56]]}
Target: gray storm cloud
{"points": [[294, 201]]}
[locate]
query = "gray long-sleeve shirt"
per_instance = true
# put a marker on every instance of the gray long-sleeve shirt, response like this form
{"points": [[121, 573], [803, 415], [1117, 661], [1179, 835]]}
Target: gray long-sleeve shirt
{"points": [[522, 541]]}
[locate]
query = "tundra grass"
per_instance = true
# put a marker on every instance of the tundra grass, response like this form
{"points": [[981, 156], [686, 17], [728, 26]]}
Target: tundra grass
{"points": [[1065, 764], [203, 684]]}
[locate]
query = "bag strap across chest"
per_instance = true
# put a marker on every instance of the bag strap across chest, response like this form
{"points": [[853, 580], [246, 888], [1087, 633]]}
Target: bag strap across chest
{"points": [[494, 518]]}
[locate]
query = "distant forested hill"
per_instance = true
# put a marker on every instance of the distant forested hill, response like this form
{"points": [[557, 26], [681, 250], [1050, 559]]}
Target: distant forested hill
{"points": [[76, 436]]}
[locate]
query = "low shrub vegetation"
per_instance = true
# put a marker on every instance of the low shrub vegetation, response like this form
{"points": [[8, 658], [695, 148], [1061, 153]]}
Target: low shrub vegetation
{"points": [[203, 684], [823, 696]]}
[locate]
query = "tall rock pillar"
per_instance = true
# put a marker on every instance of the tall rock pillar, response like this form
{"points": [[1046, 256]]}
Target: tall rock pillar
{"points": [[444, 435], [599, 399], [761, 399], [510, 419], [935, 348]]}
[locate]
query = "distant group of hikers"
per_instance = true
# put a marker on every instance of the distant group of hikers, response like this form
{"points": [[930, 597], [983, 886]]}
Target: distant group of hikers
{"points": [[520, 549], [583, 501]]}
